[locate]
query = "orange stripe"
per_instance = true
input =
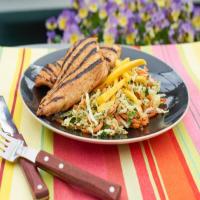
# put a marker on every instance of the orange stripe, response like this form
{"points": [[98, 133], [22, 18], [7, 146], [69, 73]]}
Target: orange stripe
{"points": [[172, 170], [184, 164]]}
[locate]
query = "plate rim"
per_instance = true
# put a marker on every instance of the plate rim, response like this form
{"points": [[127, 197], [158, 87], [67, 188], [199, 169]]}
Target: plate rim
{"points": [[105, 141]]}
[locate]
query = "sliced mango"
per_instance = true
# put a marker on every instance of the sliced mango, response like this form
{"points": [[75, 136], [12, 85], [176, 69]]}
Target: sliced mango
{"points": [[106, 105], [110, 92], [122, 69], [132, 96], [141, 79]]}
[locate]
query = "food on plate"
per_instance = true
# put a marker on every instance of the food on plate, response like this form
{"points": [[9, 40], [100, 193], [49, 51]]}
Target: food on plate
{"points": [[111, 53], [83, 69], [92, 90], [48, 75], [128, 98]]}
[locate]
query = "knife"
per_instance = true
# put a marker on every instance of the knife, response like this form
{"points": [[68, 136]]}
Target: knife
{"points": [[38, 187]]}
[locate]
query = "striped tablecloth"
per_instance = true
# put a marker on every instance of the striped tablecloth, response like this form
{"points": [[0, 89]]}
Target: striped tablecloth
{"points": [[165, 167]]}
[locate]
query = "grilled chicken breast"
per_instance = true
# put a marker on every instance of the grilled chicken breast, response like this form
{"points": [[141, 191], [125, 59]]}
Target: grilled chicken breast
{"points": [[49, 74], [83, 69], [111, 53]]}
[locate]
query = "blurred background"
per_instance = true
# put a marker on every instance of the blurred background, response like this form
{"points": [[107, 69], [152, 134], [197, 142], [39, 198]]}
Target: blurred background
{"points": [[32, 22]]}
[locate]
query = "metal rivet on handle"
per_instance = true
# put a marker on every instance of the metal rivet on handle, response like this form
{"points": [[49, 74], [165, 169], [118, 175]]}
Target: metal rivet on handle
{"points": [[111, 189], [46, 158], [39, 187], [61, 166]]}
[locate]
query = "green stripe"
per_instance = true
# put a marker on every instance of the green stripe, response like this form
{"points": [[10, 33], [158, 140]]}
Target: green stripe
{"points": [[47, 145], [189, 151], [186, 65]]}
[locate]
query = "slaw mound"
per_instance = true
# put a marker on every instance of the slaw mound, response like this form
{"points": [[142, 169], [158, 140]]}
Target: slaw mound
{"points": [[128, 98]]}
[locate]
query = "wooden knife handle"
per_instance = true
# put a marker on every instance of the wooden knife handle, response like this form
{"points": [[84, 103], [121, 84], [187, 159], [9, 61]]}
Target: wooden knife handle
{"points": [[67, 172], [38, 187]]}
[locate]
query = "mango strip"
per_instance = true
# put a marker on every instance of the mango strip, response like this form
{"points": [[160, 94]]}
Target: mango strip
{"points": [[131, 96], [119, 63], [106, 105], [122, 69], [110, 92], [141, 79]]}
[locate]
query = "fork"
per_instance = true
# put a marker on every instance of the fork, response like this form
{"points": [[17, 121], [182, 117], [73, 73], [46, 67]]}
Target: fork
{"points": [[11, 149]]}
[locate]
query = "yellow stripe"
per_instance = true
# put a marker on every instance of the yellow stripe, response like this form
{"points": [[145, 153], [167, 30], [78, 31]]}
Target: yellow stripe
{"points": [[187, 65], [32, 135], [191, 53], [158, 171], [155, 189], [9, 168], [129, 173], [5, 76], [189, 151]]}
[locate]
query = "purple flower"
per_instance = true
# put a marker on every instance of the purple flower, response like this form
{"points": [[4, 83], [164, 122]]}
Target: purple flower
{"points": [[186, 32], [112, 21], [111, 7], [51, 36], [51, 23]]}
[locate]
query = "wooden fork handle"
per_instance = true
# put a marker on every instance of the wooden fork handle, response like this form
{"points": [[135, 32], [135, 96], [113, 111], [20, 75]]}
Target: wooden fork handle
{"points": [[89, 183], [38, 187]]}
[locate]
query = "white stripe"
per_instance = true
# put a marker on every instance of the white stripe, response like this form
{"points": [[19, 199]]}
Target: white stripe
{"points": [[129, 173]]}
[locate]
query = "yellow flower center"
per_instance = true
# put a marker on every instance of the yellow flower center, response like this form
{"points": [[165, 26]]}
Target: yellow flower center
{"points": [[175, 15], [174, 25], [62, 23], [161, 3], [93, 7], [151, 33], [122, 21], [118, 2], [130, 38], [75, 5], [102, 14], [132, 6], [196, 22], [189, 37], [108, 39], [82, 13], [51, 26], [145, 16], [74, 38]]}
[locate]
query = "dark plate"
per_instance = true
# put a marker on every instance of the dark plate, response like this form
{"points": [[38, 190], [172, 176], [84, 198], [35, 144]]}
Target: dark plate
{"points": [[171, 84]]}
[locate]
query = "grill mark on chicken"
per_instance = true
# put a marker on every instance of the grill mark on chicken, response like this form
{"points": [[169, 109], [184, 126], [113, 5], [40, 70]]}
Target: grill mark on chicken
{"points": [[83, 61], [59, 65], [109, 48], [107, 59], [75, 46], [42, 77], [56, 99], [86, 70], [77, 55], [51, 69]]}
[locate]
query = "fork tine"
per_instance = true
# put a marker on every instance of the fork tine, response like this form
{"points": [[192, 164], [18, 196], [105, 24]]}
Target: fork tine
{"points": [[5, 135], [2, 140]]}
